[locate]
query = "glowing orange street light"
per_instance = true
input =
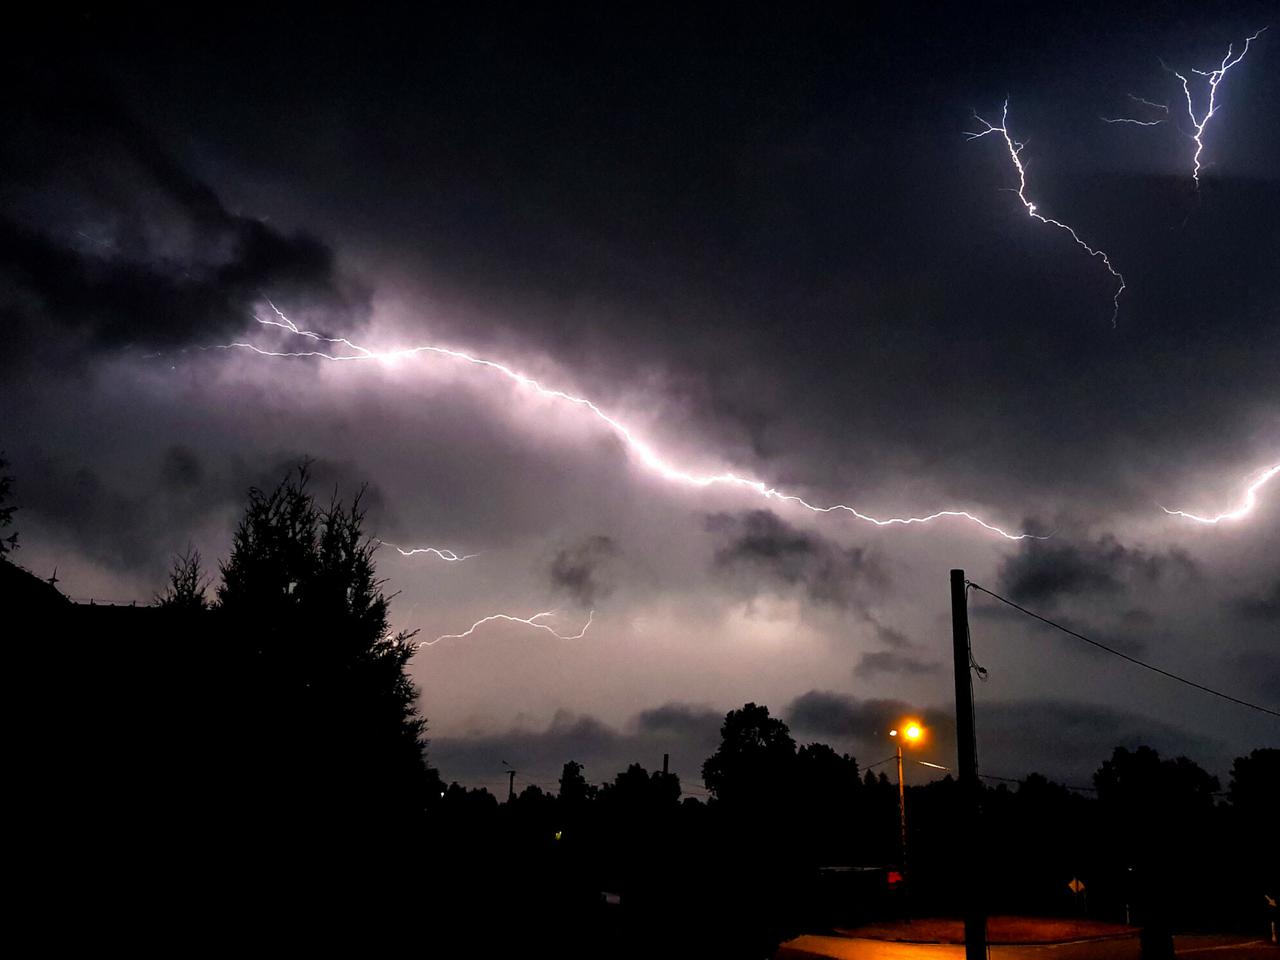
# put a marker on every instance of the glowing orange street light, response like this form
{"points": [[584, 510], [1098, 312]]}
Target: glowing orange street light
{"points": [[913, 733]]}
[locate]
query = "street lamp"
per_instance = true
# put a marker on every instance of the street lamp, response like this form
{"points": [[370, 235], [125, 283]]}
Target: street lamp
{"points": [[911, 732]]}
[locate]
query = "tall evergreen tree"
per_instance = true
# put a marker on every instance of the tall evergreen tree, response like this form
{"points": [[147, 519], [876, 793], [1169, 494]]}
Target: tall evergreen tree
{"points": [[328, 735]]}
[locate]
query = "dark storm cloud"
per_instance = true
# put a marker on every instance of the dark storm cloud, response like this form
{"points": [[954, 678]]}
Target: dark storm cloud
{"points": [[823, 713], [1046, 571], [103, 232], [890, 636], [1064, 739], [581, 571], [1070, 739], [760, 551], [680, 719], [181, 468], [887, 661], [1131, 631], [1265, 607], [742, 251], [1061, 738], [139, 529], [1261, 670], [688, 733]]}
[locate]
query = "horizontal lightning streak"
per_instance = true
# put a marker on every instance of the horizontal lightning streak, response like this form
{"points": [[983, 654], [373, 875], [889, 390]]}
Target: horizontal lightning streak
{"points": [[507, 618], [442, 553], [1149, 103], [1141, 123], [1015, 154], [1214, 77], [1246, 506], [644, 452], [1137, 123]]}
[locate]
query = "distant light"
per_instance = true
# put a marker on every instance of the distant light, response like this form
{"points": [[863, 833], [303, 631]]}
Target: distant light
{"points": [[893, 733], [559, 834]]}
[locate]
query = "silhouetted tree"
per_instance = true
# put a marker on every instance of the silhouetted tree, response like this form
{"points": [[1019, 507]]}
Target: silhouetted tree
{"points": [[636, 792], [536, 808], [1157, 814], [574, 789], [755, 760], [753, 814], [1147, 797], [477, 799], [1041, 837], [819, 764], [330, 733], [1254, 792], [1254, 789], [9, 543], [828, 795], [187, 584]]}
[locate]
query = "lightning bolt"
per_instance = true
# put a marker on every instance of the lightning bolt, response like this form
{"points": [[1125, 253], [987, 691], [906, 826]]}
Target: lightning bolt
{"points": [[1015, 155], [1214, 77], [1246, 506], [1149, 103], [533, 621], [643, 452], [1141, 123], [443, 554]]}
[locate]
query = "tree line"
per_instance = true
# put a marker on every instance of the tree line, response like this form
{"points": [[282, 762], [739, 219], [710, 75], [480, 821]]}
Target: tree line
{"points": [[253, 752]]}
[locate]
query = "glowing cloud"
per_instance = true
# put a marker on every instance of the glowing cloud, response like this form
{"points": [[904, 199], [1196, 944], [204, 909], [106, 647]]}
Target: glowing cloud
{"points": [[1246, 506], [644, 452]]}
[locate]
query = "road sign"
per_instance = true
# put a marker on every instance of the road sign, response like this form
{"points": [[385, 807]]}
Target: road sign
{"points": [[1075, 886]]}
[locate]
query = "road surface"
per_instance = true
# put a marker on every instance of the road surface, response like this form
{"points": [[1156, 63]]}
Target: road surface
{"points": [[1122, 948]]}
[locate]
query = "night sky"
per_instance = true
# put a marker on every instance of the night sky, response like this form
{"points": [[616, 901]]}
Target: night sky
{"points": [[760, 239]]}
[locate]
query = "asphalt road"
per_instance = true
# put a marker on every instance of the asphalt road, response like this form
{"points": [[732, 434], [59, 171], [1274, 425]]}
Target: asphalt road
{"points": [[1191, 947]]}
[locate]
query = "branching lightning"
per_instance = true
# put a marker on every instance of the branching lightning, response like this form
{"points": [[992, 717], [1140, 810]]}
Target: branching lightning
{"points": [[1141, 123], [644, 452], [534, 621], [1015, 155], [1214, 77], [1246, 506]]}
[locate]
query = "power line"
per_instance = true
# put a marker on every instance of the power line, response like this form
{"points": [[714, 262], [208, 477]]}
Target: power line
{"points": [[1125, 656], [1067, 786], [878, 762]]}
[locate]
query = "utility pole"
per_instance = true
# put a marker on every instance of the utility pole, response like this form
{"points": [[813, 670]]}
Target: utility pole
{"points": [[902, 814], [511, 785], [975, 913]]}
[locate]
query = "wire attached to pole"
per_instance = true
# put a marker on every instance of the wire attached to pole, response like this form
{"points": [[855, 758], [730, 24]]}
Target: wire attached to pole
{"points": [[1123, 656]]}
